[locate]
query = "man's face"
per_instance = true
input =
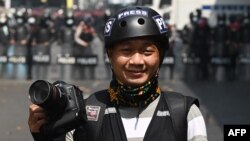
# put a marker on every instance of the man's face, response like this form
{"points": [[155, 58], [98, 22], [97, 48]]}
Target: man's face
{"points": [[134, 61]]}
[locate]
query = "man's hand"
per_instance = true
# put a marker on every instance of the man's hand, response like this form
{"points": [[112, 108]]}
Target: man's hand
{"points": [[37, 118]]}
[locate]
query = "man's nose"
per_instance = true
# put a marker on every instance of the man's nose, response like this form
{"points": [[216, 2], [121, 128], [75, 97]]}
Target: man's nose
{"points": [[136, 58]]}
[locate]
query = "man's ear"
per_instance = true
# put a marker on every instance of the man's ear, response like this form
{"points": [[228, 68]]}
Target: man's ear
{"points": [[109, 53]]}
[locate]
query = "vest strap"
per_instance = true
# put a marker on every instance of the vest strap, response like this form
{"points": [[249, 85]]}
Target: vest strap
{"points": [[179, 106], [93, 127]]}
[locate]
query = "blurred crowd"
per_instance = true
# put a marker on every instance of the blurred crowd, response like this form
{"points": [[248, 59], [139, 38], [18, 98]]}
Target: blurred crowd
{"points": [[27, 36], [220, 52]]}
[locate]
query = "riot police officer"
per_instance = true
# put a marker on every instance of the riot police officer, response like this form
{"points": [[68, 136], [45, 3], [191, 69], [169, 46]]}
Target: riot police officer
{"points": [[32, 29], [234, 43], [190, 38], [5, 40], [201, 46], [219, 57], [244, 57], [66, 41], [43, 39], [67, 33], [18, 49]]}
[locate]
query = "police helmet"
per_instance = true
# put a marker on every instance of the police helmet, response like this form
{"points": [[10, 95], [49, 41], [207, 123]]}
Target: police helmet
{"points": [[136, 21], [32, 20], [20, 15]]}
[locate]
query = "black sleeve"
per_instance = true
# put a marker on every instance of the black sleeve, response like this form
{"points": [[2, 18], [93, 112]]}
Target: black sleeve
{"points": [[42, 137]]}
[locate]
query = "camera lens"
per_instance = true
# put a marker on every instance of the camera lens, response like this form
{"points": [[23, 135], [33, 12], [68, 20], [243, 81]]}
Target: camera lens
{"points": [[44, 94], [39, 92]]}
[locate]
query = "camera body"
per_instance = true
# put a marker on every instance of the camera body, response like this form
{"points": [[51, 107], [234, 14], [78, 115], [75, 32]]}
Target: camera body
{"points": [[63, 103]]}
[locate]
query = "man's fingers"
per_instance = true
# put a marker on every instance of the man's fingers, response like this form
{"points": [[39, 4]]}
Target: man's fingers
{"points": [[37, 117], [35, 128], [35, 108]]}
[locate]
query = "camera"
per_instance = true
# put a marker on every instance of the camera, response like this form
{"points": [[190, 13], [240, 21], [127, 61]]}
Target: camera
{"points": [[63, 103]]}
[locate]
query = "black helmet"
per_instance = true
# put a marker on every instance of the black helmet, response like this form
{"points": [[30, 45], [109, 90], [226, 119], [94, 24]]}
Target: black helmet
{"points": [[136, 21]]}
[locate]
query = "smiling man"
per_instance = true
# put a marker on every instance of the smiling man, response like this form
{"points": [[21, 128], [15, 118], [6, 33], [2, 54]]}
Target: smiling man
{"points": [[134, 108]]}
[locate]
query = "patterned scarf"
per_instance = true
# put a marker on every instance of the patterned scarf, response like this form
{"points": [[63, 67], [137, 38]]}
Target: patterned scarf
{"points": [[123, 95]]}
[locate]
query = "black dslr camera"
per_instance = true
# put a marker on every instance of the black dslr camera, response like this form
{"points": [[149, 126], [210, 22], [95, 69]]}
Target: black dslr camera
{"points": [[63, 103]]}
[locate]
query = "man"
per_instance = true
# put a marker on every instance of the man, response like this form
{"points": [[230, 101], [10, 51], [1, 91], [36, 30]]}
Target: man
{"points": [[135, 107]]}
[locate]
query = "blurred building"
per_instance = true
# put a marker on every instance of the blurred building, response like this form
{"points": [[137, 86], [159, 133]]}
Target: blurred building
{"points": [[179, 10], [34, 3]]}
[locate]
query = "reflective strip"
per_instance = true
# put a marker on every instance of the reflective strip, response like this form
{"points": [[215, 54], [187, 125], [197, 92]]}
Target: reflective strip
{"points": [[162, 113], [199, 138], [196, 127], [193, 112], [110, 110]]}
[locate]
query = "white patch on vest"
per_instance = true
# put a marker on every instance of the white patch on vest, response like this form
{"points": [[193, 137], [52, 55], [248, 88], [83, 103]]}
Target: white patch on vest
{"points": [[110, 110], [92, 112], [132, 13], [108, 27], [163, 113], [160, 23]]}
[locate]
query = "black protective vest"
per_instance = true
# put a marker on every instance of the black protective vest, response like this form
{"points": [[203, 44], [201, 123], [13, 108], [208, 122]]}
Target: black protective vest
{"points": [[68, 35], [109, 127], [43, 35], [21, 33]]}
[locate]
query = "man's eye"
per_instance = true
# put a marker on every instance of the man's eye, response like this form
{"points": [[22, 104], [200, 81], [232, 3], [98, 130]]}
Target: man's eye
{"points": [[125, 49], [148, 51]]}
